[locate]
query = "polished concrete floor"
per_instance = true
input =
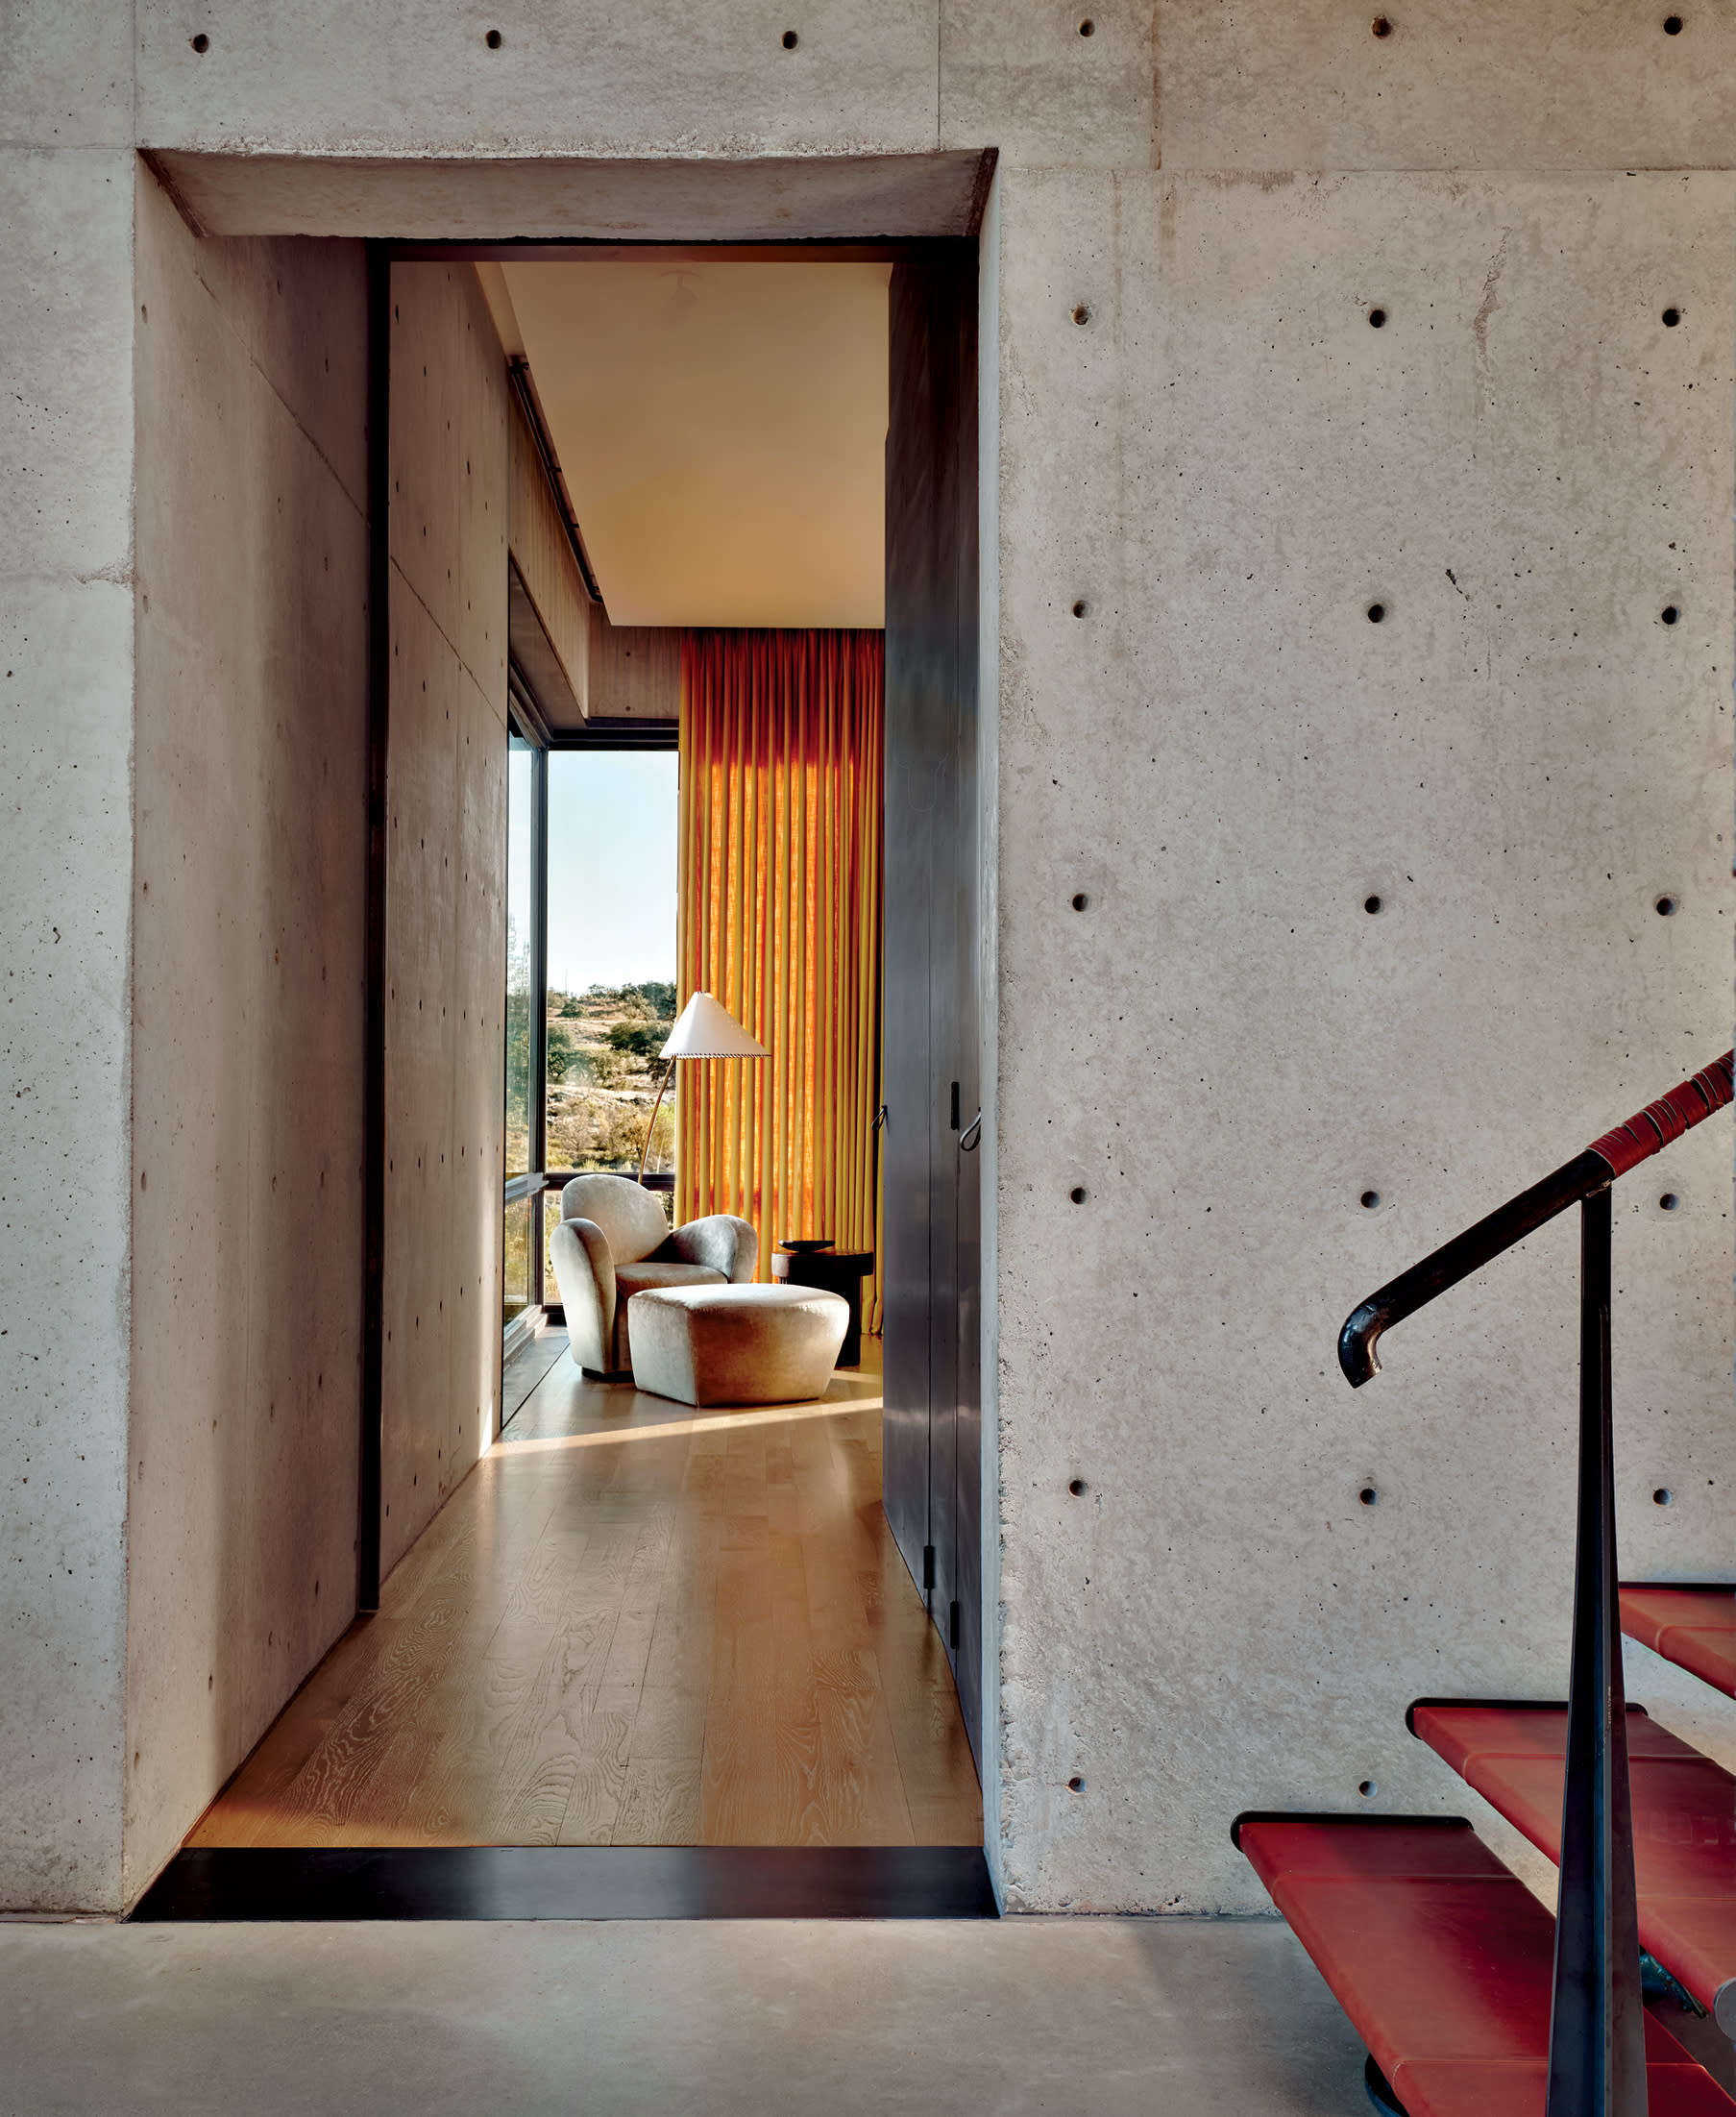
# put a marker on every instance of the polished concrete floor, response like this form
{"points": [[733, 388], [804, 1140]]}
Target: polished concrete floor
{"points": [[1066, 2017], [634, 1624]]}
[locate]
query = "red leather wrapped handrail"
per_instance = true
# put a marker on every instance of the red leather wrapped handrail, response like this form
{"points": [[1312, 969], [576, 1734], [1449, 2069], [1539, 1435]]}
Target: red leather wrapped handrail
{"points": [[1668, 1118], [1613, 1155]]}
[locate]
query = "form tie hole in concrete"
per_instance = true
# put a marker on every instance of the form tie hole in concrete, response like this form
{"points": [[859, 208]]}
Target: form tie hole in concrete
{"points": [[1670, 613], [1376, 612], [1076, 1486], [1371, 905], [1087, 28], [1371, 1200], [1671, 317], [1673, 25], [1080, 901], [1078, 1194], [1377, 318], [1669, 1202], [1666, 907], [1368, 1496], [1663, 1497], [493, 40], [1380, 26], [201, 42], [1367, 1789], [1083, 313], [791, 41], [1075, 1785], [1082, 609]]}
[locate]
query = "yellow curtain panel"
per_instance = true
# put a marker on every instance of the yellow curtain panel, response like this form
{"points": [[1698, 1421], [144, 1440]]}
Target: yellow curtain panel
{"points": [[781, 741]]}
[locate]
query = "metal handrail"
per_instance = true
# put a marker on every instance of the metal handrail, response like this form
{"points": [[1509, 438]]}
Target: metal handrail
{"points": [[1643, 1135], [1597, 2058]]}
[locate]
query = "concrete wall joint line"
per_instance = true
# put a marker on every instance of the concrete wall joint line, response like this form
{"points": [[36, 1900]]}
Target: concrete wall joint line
{"points": [[358, 501], [411, 589]]}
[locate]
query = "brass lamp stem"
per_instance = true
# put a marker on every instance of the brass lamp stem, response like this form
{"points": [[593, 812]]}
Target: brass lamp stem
{"points": [[653, 1127]]}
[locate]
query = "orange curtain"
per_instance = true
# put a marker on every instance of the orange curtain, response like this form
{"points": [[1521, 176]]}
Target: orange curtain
{"points": [[781, 736]]}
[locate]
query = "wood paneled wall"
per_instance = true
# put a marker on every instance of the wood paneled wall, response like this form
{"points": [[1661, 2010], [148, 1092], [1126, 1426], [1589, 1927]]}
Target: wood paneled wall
{"points": [[635, 670], [551, 619]]}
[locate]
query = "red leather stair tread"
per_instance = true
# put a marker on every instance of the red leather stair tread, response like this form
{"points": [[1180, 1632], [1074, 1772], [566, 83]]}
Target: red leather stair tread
{"points": [[1460, 1728], [1684, 1821], [1442, 1959], [1693, 1627], [1520, 2088]]}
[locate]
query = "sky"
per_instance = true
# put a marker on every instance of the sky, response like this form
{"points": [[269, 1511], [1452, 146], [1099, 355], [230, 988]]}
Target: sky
{"points": [[612, 821]]}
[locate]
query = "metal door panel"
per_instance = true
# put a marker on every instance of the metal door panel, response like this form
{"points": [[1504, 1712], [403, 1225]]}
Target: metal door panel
{"points": [[908, 863], [932, 1193]]}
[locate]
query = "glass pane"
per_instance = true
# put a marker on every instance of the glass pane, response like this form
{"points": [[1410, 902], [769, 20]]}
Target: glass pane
{"points": [[518, 1257], [551, 1220], [519, 935], [613, 818]]}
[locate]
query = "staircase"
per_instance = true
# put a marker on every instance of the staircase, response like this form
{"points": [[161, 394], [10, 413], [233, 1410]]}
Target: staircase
{"points": [[1472, 2000], [1693, 1627]]}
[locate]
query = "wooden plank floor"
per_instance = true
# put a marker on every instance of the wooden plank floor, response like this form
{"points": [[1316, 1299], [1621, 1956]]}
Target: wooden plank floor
{"points": [[634, 1624]]}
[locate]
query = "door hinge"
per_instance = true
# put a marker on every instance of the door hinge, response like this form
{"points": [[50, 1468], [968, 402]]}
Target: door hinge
{"points": [[928, 1567], [952, 1628]]}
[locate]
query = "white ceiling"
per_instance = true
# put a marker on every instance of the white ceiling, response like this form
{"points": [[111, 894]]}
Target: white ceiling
{"points": [[722, 432]]}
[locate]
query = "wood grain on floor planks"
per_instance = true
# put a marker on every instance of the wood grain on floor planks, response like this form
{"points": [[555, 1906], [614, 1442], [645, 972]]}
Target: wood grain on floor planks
{"points": [[634, 1624]]}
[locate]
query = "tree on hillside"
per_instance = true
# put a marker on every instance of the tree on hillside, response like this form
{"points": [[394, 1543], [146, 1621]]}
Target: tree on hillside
{"points": [[562, 1054], [642, 1039], [655, 997]]}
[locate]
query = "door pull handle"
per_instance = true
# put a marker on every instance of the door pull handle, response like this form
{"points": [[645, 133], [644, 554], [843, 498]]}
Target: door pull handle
{"points": [[972, 1137]]}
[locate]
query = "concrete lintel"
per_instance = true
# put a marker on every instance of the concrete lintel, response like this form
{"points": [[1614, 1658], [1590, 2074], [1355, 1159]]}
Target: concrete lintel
{"points": [[841, 198]]}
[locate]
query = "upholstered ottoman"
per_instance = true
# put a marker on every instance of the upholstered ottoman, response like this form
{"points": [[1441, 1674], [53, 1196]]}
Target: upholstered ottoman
{"points": [[736, 1344]]}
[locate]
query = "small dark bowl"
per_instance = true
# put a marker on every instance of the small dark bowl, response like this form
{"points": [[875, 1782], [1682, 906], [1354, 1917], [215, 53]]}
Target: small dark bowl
{"points": [[804, 1243]]}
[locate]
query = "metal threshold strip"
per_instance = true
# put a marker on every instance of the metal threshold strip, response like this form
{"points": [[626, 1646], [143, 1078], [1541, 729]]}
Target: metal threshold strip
{"points": [[571, 1882]]}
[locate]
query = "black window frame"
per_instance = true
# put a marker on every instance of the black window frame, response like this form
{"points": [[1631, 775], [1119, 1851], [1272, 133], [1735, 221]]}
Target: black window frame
{"points": [[525, 724]]}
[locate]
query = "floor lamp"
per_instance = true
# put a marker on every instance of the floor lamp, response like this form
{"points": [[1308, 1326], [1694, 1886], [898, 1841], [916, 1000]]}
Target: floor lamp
{"points": [[705, 1030]]}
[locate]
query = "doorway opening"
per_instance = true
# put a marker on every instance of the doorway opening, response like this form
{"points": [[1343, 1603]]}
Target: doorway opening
{"points": [[819, 1618]]}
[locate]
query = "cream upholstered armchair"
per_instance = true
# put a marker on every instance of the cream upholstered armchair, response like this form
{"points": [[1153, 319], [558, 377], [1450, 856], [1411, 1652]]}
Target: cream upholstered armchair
{"points": [[613, 1242]]}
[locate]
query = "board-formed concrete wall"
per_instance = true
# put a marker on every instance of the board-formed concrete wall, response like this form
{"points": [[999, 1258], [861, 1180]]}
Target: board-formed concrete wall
{"points": [[446, 894], [1227, 465], [250, 746]]}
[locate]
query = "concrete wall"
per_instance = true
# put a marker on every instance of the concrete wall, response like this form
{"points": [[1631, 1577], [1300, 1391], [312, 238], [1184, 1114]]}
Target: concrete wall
{"points": [[66, 320], [1228, 465], [446, 915], [250, 776]]}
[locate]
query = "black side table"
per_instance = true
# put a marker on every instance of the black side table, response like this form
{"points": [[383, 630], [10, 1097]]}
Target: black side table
{"points": [[836, 1272]]}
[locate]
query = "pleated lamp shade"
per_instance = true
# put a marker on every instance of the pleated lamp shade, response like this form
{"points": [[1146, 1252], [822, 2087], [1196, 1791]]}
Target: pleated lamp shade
{"points": [[706, 1030]]}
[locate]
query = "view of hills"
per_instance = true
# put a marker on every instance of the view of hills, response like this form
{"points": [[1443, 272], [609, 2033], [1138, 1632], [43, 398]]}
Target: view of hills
{"points": [[603, 1071]]}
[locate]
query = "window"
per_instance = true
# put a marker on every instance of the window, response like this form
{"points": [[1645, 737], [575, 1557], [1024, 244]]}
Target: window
{"points": [[591, 836], [613, 818]]}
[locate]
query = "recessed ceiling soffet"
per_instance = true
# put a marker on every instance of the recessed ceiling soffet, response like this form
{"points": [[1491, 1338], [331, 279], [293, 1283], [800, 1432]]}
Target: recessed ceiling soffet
{"points": [[722, 432]]}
